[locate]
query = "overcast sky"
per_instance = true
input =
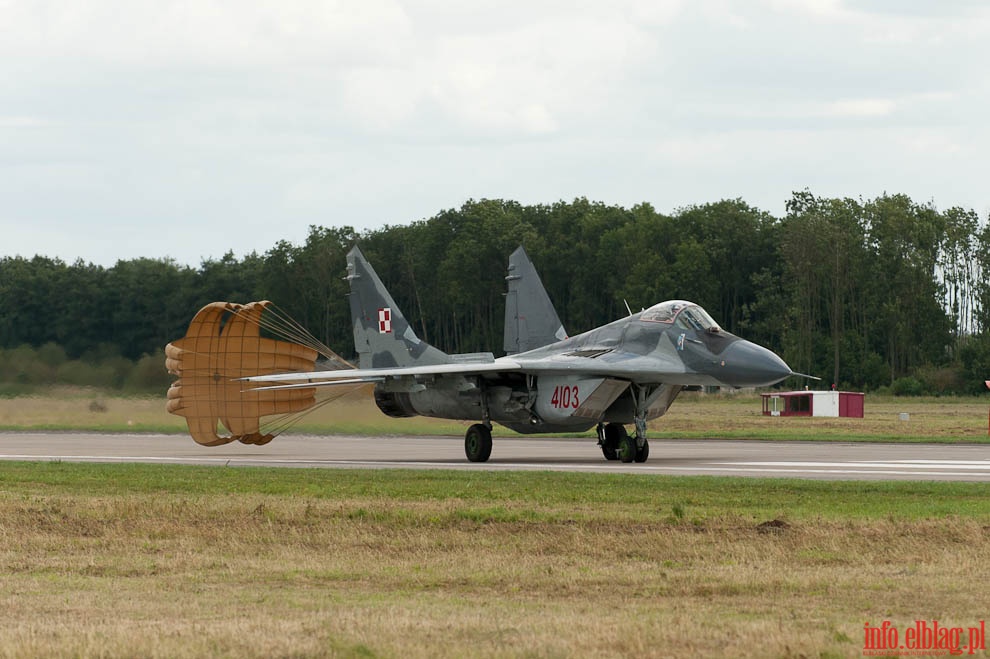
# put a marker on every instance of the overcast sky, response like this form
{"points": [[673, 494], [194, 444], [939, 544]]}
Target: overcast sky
{"points": [[186, 129]]}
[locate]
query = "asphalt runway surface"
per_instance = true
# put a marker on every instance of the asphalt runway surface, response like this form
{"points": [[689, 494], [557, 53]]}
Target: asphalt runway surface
{"points": [[714, 457]]}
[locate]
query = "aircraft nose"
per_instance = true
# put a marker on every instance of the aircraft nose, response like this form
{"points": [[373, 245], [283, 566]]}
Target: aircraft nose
{"points": [[746, 364]]}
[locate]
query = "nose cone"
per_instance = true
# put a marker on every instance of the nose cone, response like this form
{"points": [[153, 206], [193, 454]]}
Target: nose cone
{"points": [[746, 364]]}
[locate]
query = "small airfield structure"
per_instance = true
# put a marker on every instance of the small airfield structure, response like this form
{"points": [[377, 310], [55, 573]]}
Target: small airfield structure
{"points": [[813, 403]]}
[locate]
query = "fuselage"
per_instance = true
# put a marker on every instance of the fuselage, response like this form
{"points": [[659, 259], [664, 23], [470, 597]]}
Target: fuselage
{"points": [[595, 377]]}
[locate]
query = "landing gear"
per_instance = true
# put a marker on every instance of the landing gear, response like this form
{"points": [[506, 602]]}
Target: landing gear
{"points": [[609, 438], [642, 452], [642, 446], [478, 439], [627, 448], [617, 444], [478, 443]]}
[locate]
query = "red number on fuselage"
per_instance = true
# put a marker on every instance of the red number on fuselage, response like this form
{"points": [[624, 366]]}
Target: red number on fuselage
{"points": [[564, 397]]}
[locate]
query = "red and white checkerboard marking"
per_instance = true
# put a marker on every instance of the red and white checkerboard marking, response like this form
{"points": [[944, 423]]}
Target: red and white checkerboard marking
{"points": [[385, 321]]}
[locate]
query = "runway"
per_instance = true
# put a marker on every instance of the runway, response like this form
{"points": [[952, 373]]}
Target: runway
{"points": [[815, 460]]}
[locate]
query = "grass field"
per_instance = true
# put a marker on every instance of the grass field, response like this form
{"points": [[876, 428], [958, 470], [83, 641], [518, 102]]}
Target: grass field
{"points": [[168, 561], [692, 415]]}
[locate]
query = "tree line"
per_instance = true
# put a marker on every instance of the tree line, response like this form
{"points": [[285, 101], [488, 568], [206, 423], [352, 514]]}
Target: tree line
{"points": [[885, 292]]}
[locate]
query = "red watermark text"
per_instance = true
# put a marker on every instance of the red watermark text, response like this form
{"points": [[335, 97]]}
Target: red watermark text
{"points": [[923, 638]]}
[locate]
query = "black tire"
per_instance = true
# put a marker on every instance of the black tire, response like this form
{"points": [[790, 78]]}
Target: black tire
{"points": [[643, 453], [627, 449], [614, 432], [478, 443]]}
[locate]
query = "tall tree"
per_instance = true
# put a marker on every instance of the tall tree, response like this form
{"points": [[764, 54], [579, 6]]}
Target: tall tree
{"points": [[905, 240], [959, 267], [738, 241], [832, 252]]}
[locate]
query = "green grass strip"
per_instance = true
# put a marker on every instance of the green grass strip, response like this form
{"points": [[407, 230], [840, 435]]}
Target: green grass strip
{"points": [[550, 496]]}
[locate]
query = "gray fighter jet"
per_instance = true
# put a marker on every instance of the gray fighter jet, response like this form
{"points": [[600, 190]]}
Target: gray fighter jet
{"points": [[626, 372]]}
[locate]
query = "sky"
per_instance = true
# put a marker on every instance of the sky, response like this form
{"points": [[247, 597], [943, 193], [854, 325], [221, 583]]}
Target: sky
{"points": [[184, 130]]}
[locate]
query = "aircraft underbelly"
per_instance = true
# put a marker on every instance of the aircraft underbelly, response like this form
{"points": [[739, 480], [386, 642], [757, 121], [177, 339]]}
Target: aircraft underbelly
{"points": [[558, 403], [623, 410], [505, 405]]}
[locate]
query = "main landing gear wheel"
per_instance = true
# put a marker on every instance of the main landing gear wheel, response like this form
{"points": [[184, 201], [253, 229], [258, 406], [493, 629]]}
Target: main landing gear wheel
{"points": [[611, 437], [478, 443], [627, 448]]}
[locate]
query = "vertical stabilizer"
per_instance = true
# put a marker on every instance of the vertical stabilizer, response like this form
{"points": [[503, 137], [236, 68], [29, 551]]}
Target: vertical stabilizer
{"points": [[530, 320], [382, 336]]}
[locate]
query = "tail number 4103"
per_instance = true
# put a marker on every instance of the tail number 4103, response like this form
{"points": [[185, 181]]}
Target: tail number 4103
{"points": [[565, 397]]}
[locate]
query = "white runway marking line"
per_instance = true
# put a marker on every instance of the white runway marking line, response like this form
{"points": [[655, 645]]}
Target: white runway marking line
{"points": [[880, 472], [974, 465], [350, 463], [114, 458], [895, 468]]}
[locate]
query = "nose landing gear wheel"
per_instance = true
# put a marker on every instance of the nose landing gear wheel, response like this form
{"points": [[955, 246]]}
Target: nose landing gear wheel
{"points": [[643, 452], [478, 443]]}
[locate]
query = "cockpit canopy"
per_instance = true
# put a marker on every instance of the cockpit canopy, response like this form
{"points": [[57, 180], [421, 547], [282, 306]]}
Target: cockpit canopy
{"points": [[684, 314]]}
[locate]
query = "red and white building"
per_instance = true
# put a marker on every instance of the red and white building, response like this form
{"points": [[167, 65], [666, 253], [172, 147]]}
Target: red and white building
{"points": [[813, 403]]}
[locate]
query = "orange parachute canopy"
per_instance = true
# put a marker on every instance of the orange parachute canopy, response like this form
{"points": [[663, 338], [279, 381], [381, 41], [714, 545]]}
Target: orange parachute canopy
{"points": [[224, 343]]}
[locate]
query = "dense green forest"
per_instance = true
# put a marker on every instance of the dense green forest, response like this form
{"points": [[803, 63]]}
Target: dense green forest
{"points": [[864, 293]]}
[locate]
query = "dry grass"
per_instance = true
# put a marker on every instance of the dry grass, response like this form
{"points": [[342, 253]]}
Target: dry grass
{"points": [[492, 565], [929, 418], [344, 573], [79, 409], [692, 415]]}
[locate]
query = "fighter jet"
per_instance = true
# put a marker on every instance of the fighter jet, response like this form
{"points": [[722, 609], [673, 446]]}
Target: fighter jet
{"points": [[624, 373]]}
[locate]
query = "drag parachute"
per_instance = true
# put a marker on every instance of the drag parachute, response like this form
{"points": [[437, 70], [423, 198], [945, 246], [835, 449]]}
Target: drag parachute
{"points": [[224, 343]]}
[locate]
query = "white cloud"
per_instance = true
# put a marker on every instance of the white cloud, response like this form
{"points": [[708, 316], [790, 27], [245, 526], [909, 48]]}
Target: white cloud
{"points": [[520, 80], [860, 107], [23, 122], [380, 99], [815, 8], [210, 32], [934, 143]]}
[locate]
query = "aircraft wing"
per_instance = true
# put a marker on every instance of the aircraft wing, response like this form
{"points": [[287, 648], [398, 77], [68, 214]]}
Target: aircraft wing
{"points": [[614, 364], [359, 375]]}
